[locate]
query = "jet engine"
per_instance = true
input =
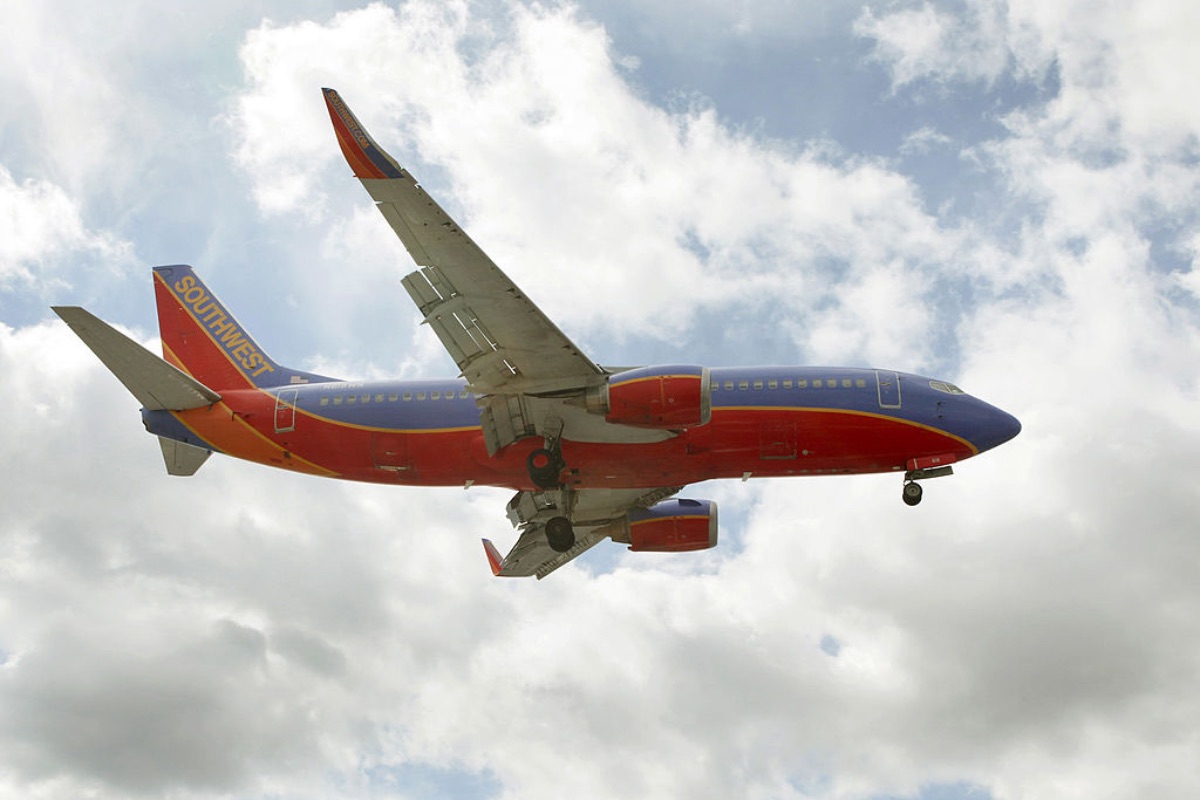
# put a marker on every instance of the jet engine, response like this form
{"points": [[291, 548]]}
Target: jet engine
{"points": [[672, 396], [674, 526]]}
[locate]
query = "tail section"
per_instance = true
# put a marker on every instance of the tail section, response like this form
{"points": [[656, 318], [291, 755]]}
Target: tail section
{"points": [[158, 386], [201, 337]]}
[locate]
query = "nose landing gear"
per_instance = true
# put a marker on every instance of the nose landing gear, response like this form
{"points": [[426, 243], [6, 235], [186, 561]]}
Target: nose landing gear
{"points": [[912, 492]]}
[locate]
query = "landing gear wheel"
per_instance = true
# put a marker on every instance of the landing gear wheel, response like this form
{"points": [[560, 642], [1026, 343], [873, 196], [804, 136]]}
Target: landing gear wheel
{"points": [[544, 467], [912, 493], [560, 534]]}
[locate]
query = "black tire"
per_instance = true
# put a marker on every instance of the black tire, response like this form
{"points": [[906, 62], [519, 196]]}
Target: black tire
{"points": [[560, 534], [912, 493], [544, 468]]}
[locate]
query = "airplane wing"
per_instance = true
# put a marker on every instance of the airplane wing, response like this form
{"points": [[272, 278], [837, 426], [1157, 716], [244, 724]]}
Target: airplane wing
{"points": [[519, 363], [501, 341], [531, 556], [598, 514]]}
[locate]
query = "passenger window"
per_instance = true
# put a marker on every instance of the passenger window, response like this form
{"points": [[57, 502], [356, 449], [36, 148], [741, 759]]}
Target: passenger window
{"points": [[743, 385], [324, 401], [802, 384], [351, 399], [728, 384], [464, 394], [420, 395], [366, 398], [846, 384], [379, 398], [393, 397], [861, 383], [817, 384], [787, 384], [772, 384], [337, 401], [407, 397], [435, 395], [758, 384]]}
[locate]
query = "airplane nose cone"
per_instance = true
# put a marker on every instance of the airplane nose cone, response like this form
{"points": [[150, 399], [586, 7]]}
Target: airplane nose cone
{"points": [[997, 428]]}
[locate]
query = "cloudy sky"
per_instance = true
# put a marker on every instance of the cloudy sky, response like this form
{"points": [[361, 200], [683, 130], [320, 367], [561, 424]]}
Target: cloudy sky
{"points": [[1002, 194]]}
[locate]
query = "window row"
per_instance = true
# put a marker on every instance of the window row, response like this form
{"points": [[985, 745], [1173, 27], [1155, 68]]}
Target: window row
{"points": [[392, 397], [788, 383]]}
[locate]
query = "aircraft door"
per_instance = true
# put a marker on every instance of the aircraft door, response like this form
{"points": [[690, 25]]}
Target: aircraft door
{"points": [[285, 410], [389, 450], [777, 439], [888, 384]]}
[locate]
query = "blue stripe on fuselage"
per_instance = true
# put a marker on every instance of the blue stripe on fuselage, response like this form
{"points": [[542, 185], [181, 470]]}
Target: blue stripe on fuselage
{"points": [[390, 405], [857, 390], [430, 405]]}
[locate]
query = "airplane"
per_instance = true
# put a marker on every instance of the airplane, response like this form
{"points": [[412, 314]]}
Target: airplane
{"points": [[592, 452]]}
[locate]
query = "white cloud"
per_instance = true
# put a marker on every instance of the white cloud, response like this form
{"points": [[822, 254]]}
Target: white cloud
{"points": [[1029, 630], [566, 176], [1122, 68], [39, 225], [925, 42]]}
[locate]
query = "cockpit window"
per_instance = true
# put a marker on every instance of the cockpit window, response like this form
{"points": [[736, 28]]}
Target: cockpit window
{"points": [[948, 388]]}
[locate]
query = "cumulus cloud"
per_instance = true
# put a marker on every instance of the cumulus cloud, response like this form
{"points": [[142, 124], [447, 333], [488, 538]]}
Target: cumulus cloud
{"points": [[39, 224], [536, 131], [1028, 631]]}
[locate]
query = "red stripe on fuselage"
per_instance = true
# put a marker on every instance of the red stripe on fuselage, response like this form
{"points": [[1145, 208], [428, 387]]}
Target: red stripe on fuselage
{"points": [[764, 442]]}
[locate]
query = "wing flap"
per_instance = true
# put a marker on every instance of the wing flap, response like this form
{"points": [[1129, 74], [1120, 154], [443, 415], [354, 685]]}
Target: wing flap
{"points": [[156, 384]]}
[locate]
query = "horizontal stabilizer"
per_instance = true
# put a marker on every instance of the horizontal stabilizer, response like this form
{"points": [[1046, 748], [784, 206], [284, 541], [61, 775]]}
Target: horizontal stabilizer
{"points": [[182, 458], [156, 384]]}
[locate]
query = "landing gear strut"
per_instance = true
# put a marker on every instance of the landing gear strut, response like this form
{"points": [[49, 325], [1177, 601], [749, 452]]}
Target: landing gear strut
{"points": [[560, 534]]}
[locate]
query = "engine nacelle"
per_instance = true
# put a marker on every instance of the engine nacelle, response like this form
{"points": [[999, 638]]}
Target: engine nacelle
{"points": [[675, 526], [672, 396]]}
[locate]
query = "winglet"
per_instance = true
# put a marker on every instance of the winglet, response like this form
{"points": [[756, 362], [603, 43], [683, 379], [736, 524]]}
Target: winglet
{"points": [[367, 159], [493, 557]]}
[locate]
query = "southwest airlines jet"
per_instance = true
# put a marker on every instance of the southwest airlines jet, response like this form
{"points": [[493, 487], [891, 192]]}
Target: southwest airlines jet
{"points": [[592, 452]]}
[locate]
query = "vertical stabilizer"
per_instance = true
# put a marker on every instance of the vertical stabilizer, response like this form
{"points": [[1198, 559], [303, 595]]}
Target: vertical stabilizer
{"points": [[200, 336]]}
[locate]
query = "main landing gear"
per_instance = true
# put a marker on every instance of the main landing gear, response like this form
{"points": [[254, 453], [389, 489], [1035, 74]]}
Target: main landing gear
{"points": [[545, 466], [560, 534], [912, 493]]}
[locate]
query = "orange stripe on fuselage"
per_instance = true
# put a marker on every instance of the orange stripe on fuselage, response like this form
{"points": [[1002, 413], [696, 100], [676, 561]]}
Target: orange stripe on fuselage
{"points": [[230, 433], [227, 429]]}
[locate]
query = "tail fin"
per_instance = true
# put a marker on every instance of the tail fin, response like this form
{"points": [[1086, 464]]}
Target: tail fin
{"points": [[202, 338]]}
